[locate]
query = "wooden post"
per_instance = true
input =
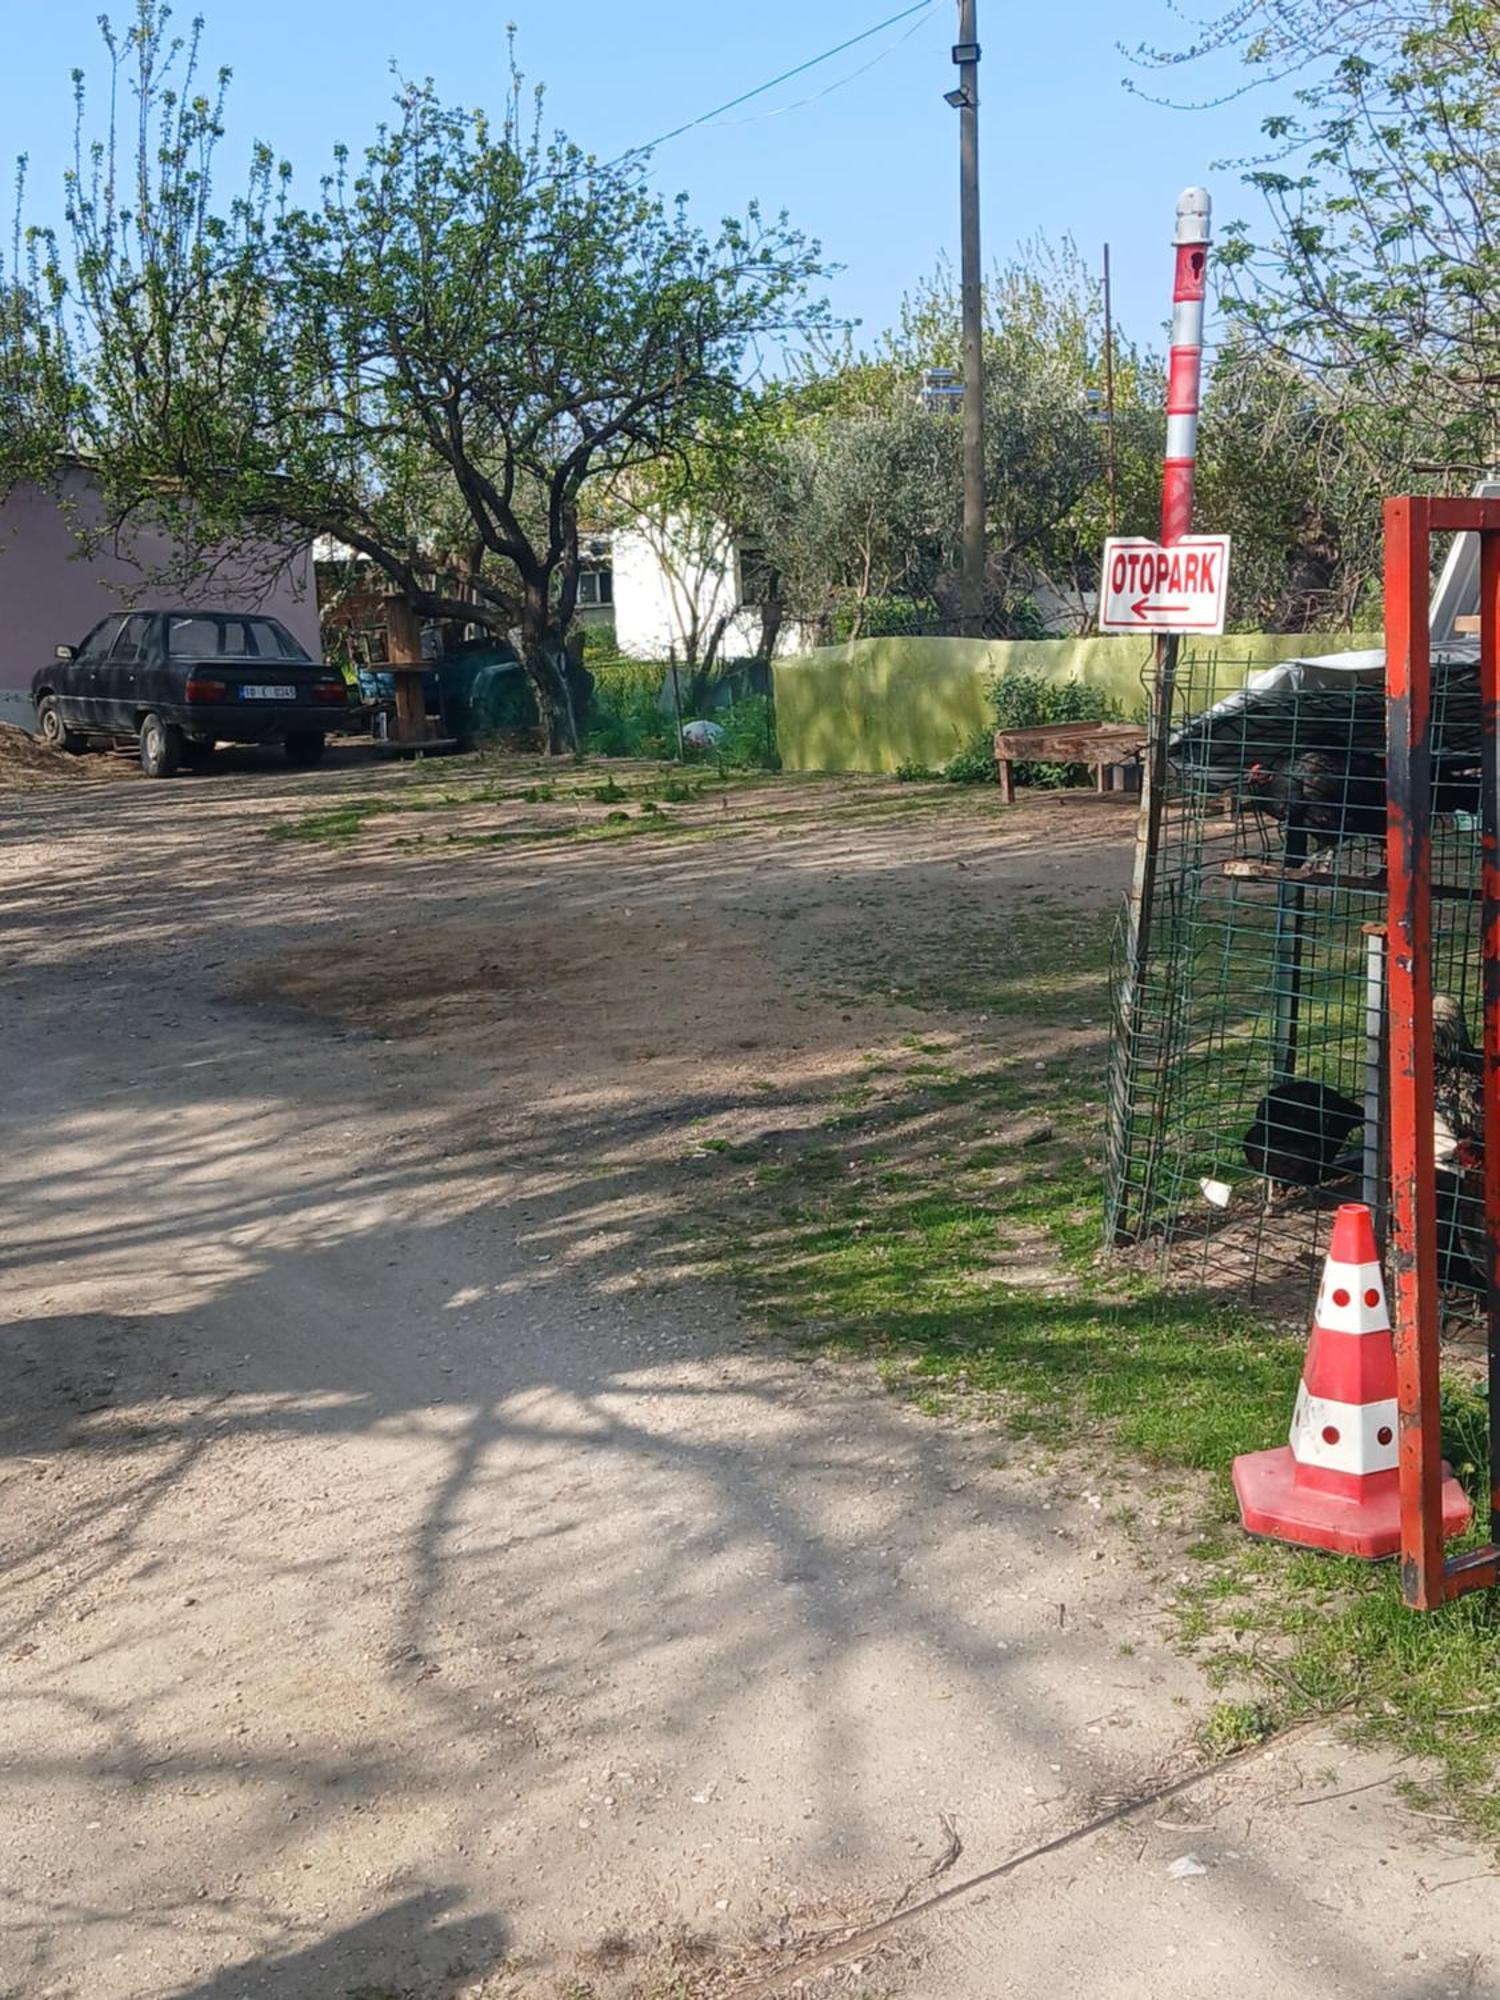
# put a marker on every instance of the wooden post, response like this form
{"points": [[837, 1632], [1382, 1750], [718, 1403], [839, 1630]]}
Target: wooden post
{"points": [[404, 647], [676, 702]]}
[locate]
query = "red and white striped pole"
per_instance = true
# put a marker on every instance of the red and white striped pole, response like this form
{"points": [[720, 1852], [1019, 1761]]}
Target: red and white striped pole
{"points": [[1183, 378], [1185, 370]]}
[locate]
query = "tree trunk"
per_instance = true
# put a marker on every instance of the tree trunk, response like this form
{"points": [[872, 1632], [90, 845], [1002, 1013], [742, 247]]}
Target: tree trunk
{"points": [[580, 682], [771, 613], [545, 659]]}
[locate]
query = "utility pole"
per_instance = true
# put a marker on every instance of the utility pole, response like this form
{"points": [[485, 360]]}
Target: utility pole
{"points": [[1109, 401], [965, 101]]}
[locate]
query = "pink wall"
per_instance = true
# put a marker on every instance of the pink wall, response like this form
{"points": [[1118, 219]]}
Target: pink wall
{"points": [[50, 593]]}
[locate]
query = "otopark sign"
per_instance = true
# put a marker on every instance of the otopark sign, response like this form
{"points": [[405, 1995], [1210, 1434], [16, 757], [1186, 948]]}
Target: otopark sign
{"points": [[1146, 587]]}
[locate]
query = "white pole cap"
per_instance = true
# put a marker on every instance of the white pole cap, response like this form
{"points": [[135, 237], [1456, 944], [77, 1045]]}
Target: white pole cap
{"points": [[1194, 211]]}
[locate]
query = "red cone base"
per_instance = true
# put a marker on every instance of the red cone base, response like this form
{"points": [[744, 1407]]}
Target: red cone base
{"points": [[1272, 1503]]}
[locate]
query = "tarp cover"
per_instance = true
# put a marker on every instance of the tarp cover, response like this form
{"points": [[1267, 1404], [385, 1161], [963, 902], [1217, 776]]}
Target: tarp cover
{"points": [[1334, 702]]}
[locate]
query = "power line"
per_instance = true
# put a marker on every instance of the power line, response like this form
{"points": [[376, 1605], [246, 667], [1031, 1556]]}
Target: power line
{"points": [[707, 117], [839, 83]]}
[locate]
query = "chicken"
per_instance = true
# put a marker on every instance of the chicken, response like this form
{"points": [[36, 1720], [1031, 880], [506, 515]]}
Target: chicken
{"points": [[1458, 1146], [1458, 1092], [1323, 797], [1300, 1132]]}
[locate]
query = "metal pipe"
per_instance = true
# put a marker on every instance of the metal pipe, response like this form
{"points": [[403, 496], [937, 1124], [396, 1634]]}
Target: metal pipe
{"points": [[1414, 1257], [1489, 708], [1376, 1182], [1286, 978], [1185, 364]]}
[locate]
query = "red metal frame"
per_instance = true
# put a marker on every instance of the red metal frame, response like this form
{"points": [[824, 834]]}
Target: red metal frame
{"points": [[1428, 1578]]}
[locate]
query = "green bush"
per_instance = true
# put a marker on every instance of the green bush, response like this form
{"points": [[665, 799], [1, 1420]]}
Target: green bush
{"points": [[882, 618], [975, 763], [749, 739], [627, 719]]}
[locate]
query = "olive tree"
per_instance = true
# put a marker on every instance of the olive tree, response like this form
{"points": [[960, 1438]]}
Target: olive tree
{"points": [[431, 363], [861, 499]]}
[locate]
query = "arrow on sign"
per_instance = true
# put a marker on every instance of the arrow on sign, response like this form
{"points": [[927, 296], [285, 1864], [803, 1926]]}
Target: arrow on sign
{"points": [[1141, 607]]}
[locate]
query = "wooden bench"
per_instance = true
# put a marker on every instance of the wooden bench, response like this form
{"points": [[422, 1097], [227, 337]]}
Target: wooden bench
{"points": [[1104, 746]]}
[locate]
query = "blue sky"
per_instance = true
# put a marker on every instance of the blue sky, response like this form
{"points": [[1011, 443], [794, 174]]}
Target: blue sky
{"points": [[870, 168]]}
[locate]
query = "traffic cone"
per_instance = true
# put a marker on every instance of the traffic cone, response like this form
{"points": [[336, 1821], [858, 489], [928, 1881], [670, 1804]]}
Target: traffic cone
{"points": [[1335, 1486]]}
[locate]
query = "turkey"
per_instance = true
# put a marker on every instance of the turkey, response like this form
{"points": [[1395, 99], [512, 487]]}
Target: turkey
{"points": [[1325, 796], [1322, 797]]}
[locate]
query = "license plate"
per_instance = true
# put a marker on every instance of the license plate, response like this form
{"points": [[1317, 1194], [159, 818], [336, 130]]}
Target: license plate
{"points": [[249, 693]]}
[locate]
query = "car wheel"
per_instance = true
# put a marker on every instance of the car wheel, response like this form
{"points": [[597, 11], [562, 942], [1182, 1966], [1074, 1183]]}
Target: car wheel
{"points": [[304, 748], [52, 729], [161, 747], [198, 756]]}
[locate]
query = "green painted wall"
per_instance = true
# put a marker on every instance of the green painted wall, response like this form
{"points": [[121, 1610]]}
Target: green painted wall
{"points": [[874, 704]]}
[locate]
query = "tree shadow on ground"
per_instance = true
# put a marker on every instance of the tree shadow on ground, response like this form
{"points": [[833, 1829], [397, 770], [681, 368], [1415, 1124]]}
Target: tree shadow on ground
{"points": [[384, 1485]]}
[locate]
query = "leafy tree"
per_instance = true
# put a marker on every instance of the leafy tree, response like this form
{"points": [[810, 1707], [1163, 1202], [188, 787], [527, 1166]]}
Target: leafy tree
{"points": [[859, 497], [432, 364], [859, 504], [1283, 473], [860, 501], [1379, 275]]}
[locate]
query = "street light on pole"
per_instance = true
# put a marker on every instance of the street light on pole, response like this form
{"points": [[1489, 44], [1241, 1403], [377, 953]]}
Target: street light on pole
{"points": [[965, 100]]}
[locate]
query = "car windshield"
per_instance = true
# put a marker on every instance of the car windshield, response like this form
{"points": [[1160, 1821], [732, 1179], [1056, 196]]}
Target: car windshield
{"points": [[203, 637]]}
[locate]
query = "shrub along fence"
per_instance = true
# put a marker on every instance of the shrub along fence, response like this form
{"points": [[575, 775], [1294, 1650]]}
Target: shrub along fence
{"points": [[893, 703], [632, 717]]}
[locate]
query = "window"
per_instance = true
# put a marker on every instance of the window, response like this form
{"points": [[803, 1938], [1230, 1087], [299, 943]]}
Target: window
{"points": [[193, 638], [596, 588], [97, 644], [273, 641], [204, 637], [134, 635]]}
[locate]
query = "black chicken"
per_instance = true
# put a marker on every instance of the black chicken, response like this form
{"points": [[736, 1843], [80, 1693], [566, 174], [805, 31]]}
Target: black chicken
{"points": [[1300, 1132], [1322, 797]]}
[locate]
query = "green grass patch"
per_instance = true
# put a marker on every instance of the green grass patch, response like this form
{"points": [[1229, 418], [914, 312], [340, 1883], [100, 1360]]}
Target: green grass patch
{"points": [[472, 782], [1231, 1726], [335, 827], [1036, 961]]}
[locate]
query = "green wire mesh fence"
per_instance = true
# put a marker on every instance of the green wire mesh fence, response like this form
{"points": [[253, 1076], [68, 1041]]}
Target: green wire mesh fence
{"points": [[1247, 1085]]}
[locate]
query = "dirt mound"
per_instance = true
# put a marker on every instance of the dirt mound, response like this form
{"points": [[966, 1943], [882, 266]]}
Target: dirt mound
{"points": [[26, 761]]}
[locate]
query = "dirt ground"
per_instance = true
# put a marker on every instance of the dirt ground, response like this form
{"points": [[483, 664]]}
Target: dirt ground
{"points": [[420, 1583], [27, 762]]}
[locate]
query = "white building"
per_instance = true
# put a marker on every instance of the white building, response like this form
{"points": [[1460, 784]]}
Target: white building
{"points": [[682, 585]]}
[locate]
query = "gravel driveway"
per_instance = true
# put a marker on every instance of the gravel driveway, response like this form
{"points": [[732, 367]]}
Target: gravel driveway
{"points": [[419, 1583]]}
